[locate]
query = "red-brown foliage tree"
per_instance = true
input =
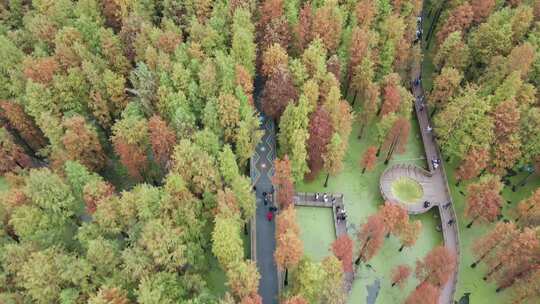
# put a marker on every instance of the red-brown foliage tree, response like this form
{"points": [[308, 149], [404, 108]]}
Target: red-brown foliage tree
{"points": [[357, 51], [371, 238], [82, 143], [484, 200], [296, 300], [528, 210], [342, 248], [517, 258], [162, 139], [333, 65], [391, 99], [320, 133], [289, 246], [94, 193], [506, 151], [365, 12], [459, 20], [369, 160], [400, 274], [25, 126], [397, 137], [437, 267], [283, 181], [394, 216], [475, 161], [40, 70], [327, 26], [303, 30], [253, 298], [498, 236], [277, 31], [112, 12], [12, 156], [245, 81], [482, 9], [279, 92], [424, 293]]}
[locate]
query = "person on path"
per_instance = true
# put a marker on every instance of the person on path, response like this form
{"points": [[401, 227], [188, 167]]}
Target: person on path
{"points": [[269, 216]]}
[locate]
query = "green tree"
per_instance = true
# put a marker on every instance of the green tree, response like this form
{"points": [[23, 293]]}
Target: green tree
{"points": [[226, 242], [333, 159], [243, 46], [309, 280]]}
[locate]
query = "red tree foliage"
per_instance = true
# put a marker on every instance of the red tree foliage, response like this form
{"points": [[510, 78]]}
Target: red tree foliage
{"points": [[437, 267], [20, 121], [343, 250], [253, 298], [482, 9], [358, 50], [394, 216], [296, 300], [365, 12], [283, 181], [132, 157], [371, 238], [459, 20], [245, 81], [425, 293], [320, 133], [506, 119], [517, 258], [162, 139], [369, 160], [279, 91], [40, 70], [82, 143], [327, 26], [398, 134], [475, 161], [498, 236], [94, 193], [528, 210], [400, 275], [112, 13], [12, 156], [303, 30], [391, 100], [277, 31], [484, 200]]}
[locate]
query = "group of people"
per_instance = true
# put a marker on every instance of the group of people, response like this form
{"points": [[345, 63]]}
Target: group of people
{"points": [[341, 213], [268, 199], [419, 29], [435, 162], [325, 197]]}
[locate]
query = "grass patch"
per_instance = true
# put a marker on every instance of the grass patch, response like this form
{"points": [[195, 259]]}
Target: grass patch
{"points": [[316, 231], [407, 190], [3, 184]]}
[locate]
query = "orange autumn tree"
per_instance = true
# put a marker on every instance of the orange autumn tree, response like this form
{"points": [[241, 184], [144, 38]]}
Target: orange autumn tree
{"points": [[371, 238], [497, 237], [17, 119], [82, 143], [484, 200], [283, 181], [400, 275], [289, 246], [424, 293], [528, 210], [342, 248], [369, 160], [436, 267], [162, 139], [472, 165]]}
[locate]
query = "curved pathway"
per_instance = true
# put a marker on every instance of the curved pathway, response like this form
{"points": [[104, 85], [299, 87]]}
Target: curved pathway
{"points": [[435, 186], [263, 242]]}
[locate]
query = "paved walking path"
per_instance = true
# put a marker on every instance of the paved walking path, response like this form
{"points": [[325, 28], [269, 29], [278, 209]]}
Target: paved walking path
{"points": [[263, 242], [435, 186], [308, 199]]}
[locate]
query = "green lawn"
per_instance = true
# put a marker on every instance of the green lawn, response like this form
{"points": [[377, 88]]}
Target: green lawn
{"points": [[316, 231], [362, 199], [407, 190]]}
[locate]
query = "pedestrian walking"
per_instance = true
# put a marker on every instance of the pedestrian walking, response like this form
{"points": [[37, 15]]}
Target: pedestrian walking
{"points": [[450, 222], [446, 205], [269, 216]]}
